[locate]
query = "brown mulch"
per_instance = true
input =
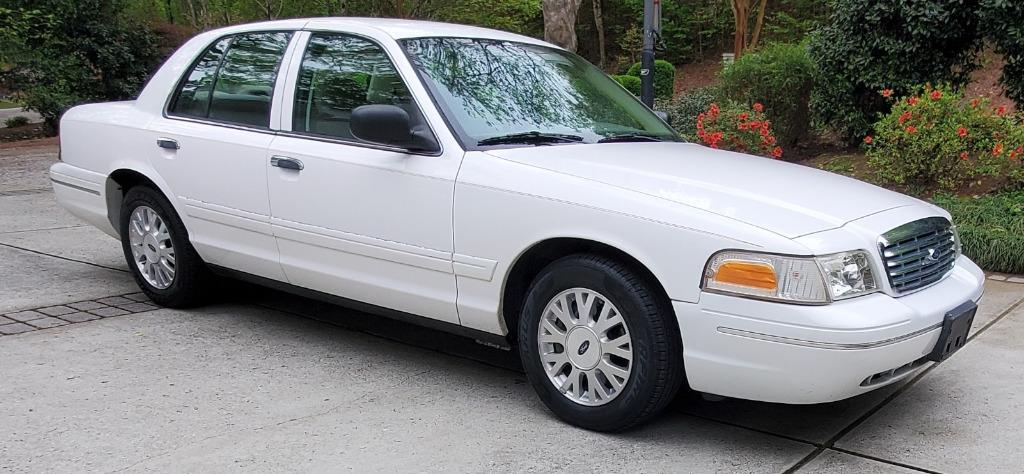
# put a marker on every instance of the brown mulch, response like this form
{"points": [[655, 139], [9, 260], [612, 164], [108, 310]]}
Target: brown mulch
{"points": [[985, 81], [696, 75], [37, 142], [24, 132], [854, 163]]}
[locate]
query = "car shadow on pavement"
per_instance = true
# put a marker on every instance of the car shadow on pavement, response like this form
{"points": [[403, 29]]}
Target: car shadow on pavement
{"points": [[814, 424]]}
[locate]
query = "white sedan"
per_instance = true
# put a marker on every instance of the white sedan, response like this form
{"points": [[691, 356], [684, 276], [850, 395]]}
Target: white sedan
{"points": [[502, 188]]}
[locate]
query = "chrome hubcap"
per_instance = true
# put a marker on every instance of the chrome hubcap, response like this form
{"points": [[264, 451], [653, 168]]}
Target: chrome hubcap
{"points": [[152, 250], [585, 346]]}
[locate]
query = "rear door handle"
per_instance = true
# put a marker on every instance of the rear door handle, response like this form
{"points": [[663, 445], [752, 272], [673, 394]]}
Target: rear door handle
{"points": [[167, 143], [286, 163]]}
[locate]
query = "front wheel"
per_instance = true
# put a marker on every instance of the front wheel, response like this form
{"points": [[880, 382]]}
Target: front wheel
{"points": [[598, 344], [165, 265]]}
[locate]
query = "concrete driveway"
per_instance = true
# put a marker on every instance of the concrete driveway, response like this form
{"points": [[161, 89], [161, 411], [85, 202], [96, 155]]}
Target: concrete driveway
{"points": [[268, 382]]}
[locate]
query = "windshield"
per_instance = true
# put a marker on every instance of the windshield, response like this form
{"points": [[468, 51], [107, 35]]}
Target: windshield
{"points": [[501, 92]]}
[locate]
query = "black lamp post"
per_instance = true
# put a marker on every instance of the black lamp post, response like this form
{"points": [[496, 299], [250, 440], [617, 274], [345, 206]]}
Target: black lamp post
{"points": [[652, 29]]}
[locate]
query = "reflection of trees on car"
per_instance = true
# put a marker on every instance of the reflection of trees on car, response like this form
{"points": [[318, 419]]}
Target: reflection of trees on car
{"points": [[516, 86], [251, 64], [338, 74]]}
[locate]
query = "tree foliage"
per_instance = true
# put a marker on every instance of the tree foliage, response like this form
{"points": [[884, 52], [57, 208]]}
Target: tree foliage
{"points": [[64, 52], [1003, 22], [868, 45], [520, 16]]}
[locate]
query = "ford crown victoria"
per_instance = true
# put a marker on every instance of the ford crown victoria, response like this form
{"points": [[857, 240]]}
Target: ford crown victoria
{"points": [[500, 187]]}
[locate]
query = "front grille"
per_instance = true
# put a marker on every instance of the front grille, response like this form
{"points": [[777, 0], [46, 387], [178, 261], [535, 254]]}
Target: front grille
{"points": [[919, 253]]}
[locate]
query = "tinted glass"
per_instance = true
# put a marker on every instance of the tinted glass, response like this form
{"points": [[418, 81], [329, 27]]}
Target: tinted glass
{"points": [[193, 98], [338, 74], [491, 88], [245, 85]]}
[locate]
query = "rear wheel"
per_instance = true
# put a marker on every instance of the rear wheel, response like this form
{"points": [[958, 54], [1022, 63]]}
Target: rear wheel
{"points": [[598, 344], [155, 243]]}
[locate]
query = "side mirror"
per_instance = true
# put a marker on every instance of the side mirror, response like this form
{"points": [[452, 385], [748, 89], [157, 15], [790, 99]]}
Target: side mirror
{"points": [[390, 125]]}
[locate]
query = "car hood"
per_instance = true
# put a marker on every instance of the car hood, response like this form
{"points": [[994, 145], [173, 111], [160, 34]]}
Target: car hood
{"points": [[788, 199]]}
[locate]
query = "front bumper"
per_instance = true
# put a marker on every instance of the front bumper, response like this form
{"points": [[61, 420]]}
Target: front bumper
{"points": [[784, 353]]}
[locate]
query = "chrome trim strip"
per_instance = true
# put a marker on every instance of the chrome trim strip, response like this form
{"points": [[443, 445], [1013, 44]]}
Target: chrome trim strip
{"points": [[827, 345], [72, 186], [363, 245]]}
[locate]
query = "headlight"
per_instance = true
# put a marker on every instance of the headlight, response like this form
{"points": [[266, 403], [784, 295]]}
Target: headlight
{"points": [[848, 274], [807, 280]]}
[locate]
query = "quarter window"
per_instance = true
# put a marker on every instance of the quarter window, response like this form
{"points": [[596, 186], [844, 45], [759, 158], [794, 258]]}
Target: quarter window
{"points": [[234, 81], [338, 74], [193, 98]]}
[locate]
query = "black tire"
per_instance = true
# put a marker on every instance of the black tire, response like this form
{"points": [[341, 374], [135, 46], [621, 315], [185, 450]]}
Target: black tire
{"points": [[657, 367], [191, 284]]}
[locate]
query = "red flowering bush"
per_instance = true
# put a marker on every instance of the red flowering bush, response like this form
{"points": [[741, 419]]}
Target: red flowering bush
{"points": [[936, 138], [738, 128]]}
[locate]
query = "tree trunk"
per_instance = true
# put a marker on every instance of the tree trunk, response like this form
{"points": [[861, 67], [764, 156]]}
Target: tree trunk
{"points": [[758, 25], [599, 25], [740, 13], [560, 22]]}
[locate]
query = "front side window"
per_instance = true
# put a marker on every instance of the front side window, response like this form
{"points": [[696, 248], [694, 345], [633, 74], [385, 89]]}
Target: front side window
{"points": [[234, 80], [492, 91], [339, 73]]}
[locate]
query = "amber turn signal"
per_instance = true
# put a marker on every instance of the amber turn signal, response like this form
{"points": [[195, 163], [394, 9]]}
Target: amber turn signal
{"points": [[749, 274]]}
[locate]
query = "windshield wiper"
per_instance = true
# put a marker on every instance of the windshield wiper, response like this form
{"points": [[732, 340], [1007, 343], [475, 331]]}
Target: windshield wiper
{"points": [[534, 138], [633, 137]]}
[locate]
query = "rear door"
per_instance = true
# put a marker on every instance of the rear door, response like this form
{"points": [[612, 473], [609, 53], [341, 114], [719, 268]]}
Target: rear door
{"points": [[212, 147]]}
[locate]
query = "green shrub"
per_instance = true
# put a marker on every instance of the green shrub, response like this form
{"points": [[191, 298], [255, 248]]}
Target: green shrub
{"points": [[780, 76], [631, 83], [868, 45], [935, 138], [1004, 24], [664, 77], [738, 127], [60, 53], [682, 111], [991, 228], [16, 121]]}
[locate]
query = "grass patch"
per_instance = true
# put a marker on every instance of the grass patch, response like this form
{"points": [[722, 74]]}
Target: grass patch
{"points": [[840, 165], [6, 104], [991, 228]]}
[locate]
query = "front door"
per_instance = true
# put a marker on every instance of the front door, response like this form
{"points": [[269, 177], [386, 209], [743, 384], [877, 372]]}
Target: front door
{"points": [[353, 219]]}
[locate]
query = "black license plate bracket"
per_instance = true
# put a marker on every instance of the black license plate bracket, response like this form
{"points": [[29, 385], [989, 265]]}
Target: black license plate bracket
{"points": [[955, 328]]}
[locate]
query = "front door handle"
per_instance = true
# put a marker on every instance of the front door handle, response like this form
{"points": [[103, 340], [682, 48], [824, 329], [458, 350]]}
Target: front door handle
{"points": [[286, 163], [167, 143]]}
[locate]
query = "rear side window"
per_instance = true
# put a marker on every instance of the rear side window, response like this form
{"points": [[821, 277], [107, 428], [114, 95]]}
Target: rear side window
{"points": [[338, 74], [234, 80]]}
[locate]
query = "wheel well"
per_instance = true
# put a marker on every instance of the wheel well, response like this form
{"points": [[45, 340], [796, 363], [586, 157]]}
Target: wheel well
{"points": [[118, 184], [531, 262]]}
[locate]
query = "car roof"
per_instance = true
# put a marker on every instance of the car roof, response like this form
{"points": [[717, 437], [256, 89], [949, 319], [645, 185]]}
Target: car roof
{"points": [[393, 27]]}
